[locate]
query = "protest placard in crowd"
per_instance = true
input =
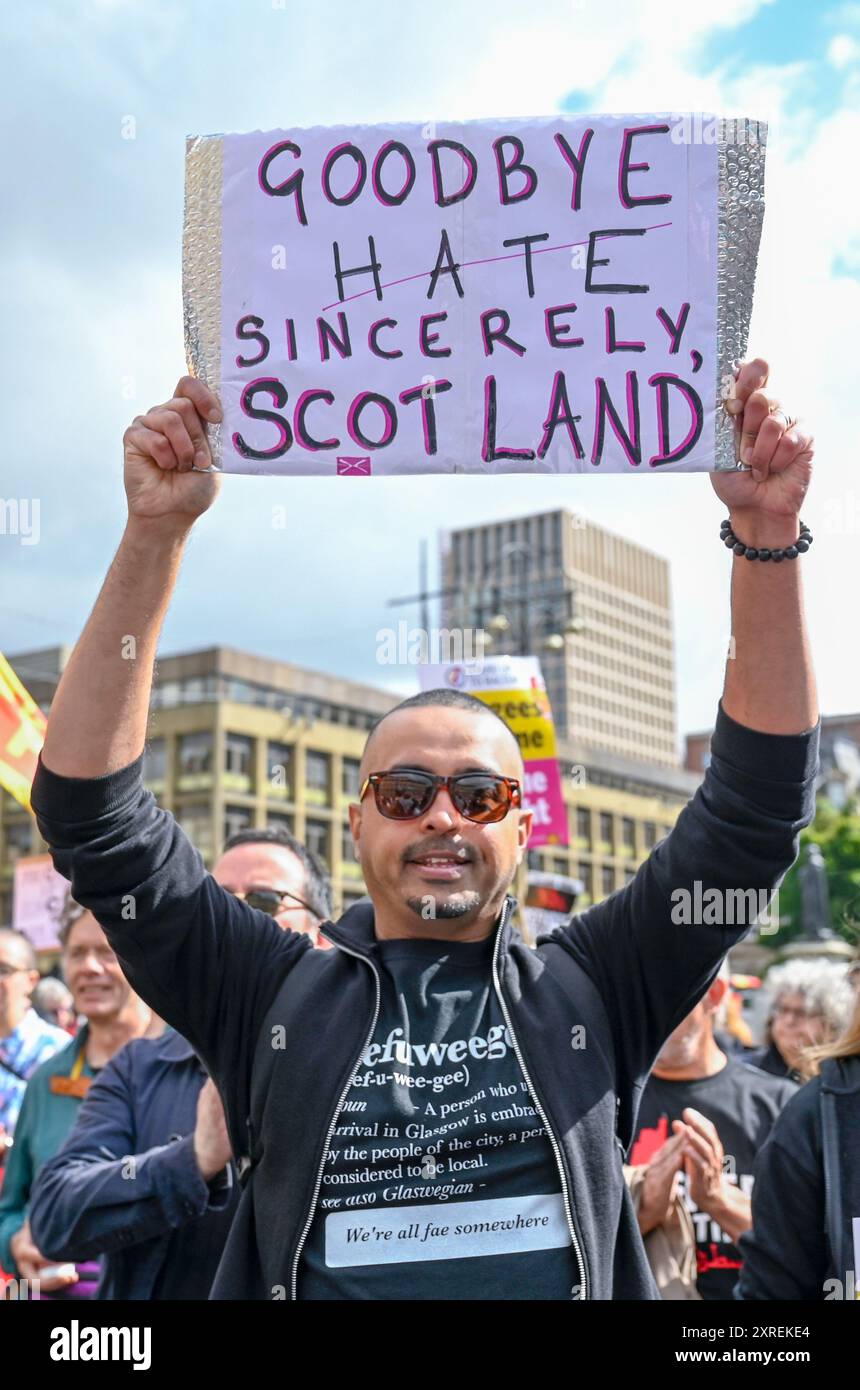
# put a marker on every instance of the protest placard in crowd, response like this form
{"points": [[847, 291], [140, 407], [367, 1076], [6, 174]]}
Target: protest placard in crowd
{"points": [[514, 687], [38, 897]]}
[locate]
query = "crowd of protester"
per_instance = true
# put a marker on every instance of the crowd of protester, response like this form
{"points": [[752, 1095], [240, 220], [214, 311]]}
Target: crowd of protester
{"points": [[118, 1180], [125, 1188]]}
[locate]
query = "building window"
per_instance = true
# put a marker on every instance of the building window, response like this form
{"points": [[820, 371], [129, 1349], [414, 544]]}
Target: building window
{"points": [[195, 755], [318, 778], [196, 820], [19, 839], [279, 771], [534, 859], [167, 695], [193, 690], [628, 834], [236, 818], [350, 780], [584, 872], [238, 763], [629, 875], [583, 826], [155, 760], [607, 879], [317, 838], [276, 820], [650, 834], [606, 832], [238, 754], [349, 865]]}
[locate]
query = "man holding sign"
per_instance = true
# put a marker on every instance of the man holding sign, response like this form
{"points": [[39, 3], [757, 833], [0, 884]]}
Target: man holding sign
{"points": [[432, 1109]]}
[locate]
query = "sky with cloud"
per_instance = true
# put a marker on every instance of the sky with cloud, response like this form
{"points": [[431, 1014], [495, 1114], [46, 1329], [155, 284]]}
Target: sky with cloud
{"points": [[92, 313]]}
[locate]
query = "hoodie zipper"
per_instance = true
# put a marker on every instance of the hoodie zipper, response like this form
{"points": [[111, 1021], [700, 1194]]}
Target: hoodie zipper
{"points": [[336, 1115], [556, 1148]]}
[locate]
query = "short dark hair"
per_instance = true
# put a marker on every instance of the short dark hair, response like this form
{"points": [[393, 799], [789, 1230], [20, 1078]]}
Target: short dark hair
{"points": [[70, 913], [447, 697], [317, 878]]}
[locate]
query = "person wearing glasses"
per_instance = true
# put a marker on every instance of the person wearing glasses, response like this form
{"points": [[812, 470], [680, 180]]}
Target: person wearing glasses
{"points": [[26, 1040], [811, 1003], [433, 1109], [154, 1114], [112, 1014], [275, 873]]}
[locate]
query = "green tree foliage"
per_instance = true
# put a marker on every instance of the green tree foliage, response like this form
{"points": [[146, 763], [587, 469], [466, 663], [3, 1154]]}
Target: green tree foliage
{"points": [[837, 832]]}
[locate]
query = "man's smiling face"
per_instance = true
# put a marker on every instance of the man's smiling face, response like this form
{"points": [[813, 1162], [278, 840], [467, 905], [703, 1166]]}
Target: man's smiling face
{"points": [[439, 875]]}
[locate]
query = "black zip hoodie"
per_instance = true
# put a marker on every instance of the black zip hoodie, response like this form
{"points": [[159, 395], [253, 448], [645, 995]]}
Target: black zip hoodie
{"points": [[281, 1026], [807, 1195]]}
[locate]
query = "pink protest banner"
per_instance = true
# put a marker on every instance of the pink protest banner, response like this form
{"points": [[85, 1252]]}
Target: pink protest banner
{"points": [[514, 688], [38, 896], [563, 294]]}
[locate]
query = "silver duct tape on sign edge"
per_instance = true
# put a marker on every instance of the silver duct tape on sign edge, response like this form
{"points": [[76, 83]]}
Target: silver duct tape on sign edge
{"points": [[741, 147], [201, 267]]}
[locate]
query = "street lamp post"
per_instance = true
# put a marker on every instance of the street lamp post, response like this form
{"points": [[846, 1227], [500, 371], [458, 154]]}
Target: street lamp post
{"points": [[519, 597]]}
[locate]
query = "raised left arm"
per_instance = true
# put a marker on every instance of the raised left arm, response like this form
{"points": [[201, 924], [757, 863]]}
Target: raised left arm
{"points": [[653, 947], [770, 685]]}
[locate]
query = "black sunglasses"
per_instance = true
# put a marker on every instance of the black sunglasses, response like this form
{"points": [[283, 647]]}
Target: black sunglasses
{"points": [[484, 797], [271, 901]]}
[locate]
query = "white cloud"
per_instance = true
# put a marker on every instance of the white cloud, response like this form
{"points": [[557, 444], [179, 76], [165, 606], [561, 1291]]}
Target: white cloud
{"points": [[842, 50]]}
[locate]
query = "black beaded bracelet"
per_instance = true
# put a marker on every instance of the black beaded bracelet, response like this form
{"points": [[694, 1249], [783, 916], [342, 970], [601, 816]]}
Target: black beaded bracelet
{"points": [[790, 552]]}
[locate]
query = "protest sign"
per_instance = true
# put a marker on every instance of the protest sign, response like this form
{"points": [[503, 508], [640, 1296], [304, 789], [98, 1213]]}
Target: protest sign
{"points": [[558, 295], [38, 896], [514, 687]]}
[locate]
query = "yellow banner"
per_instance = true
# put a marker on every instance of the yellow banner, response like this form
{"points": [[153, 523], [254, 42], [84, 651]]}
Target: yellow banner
{"points": [[529, 716], [22, 733]]}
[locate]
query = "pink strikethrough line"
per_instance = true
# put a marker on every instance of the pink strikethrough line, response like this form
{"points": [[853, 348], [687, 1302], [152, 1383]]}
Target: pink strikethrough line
{"points": [[514, 256]]}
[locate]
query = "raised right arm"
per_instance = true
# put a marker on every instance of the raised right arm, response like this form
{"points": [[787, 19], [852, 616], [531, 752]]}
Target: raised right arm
{"points": [[202, 959], [99, 713]]}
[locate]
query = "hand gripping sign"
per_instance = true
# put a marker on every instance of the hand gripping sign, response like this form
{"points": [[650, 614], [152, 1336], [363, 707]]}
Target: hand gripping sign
{"points": [[557, 295]]}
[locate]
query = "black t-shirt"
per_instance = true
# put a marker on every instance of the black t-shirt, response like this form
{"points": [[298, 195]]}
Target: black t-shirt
{"points": [[440, 1180], [742, 1103]]}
